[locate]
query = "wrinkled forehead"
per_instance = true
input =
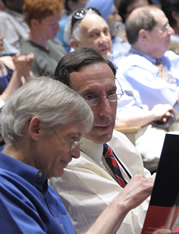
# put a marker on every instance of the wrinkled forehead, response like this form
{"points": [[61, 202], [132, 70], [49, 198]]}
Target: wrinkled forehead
{"points": [[93, 76], [92, 21]]}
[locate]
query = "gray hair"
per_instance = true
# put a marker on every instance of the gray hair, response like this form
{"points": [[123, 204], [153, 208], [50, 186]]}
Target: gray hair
{"points": [[75, 33], [144, 19], [52, 101]]}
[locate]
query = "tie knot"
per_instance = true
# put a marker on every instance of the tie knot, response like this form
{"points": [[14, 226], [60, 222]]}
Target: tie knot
{"points": [[159, 66], [158, 61], [107, 151]]}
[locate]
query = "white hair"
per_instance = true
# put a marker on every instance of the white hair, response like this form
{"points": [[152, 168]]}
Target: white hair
{"points": [[75, 33], [52, 101], [67, 32]]}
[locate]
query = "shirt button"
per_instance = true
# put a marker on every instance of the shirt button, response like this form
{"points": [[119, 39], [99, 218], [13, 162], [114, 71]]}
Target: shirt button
{"points": [[61, 225], [39, 174]]}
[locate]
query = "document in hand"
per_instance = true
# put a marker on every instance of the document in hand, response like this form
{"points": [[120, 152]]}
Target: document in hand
{"points": [[163, 211]]}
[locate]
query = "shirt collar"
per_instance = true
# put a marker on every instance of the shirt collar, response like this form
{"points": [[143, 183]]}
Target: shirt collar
{"points": [[29, 173], [93, 150], [148, 57]]}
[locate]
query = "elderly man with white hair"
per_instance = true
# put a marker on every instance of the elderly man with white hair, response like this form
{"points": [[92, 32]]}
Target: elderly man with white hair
{"points": [[42, 124]]}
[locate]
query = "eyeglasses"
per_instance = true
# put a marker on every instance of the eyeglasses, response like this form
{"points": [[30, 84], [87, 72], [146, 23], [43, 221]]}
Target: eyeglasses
{"points": [[73, 145], [80, 14], [164, 28], [93, 99]]}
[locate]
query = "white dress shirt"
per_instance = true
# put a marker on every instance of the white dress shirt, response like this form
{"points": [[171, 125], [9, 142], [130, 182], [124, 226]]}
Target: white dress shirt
{"points": [[86, 187]]}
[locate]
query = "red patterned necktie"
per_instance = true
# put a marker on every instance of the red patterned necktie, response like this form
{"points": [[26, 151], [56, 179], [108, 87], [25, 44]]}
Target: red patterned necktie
{"points": [[159, 66], [113, 164]]}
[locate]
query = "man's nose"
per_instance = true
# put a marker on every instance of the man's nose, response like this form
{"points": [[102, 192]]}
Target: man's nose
{"points": [[105, 107], [76, 152], [103, 38], [171, 31]]}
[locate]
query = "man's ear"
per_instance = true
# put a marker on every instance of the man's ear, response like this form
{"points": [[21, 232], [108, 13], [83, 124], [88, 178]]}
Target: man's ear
{"points": [[34, 128], [143, 35], [34, 23], [74, 44]]}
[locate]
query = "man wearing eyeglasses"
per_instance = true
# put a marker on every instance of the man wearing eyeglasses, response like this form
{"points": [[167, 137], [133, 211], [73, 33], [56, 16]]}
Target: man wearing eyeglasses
{"points": [[151, 68], [88, 29], [42, 123], [88, 184]]}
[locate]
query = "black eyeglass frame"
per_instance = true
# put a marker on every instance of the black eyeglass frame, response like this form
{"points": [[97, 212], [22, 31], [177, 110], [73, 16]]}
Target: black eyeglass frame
{"points": [[80, 14]]}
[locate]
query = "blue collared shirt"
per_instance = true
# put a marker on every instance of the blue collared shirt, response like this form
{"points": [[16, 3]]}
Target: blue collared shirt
{"points": [[130, 98], [141, 72], [119, 49], [27, 203]]}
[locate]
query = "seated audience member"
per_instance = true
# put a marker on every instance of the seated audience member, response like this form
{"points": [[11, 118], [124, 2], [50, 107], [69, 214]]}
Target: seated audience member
{"points": [[14, 70], [18, 66], [69, 7], [5, 47], [120, 46], [89, 184], [42, 123], [92, 31], [171, 9], [13, 73], [150, 67], [12, 24], [42, 16]]}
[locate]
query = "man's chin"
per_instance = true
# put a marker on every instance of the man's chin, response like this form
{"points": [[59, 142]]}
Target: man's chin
{"points": [[106, 54], [105, 139], [99, 139]]}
